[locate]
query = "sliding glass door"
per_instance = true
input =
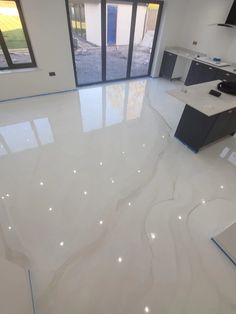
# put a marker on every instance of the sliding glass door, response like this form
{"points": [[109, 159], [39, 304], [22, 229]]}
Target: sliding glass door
{"points": [[118, 17], [144, 35], [113, 40], [85, 21]]}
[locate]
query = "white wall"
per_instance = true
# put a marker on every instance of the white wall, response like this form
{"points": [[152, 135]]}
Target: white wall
{"points": [[123, 24], [124, 12], [15, 296], [48, 29], [170, 28], [185, 21], [93, 23], [140, 24], [124, 21], [213, 40]]}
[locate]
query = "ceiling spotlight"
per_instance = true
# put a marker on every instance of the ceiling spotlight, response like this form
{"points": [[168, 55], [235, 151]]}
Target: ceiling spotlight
{"points": [[62, 243]]}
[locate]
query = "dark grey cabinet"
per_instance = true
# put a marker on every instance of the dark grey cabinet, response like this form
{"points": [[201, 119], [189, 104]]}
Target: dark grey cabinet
{"points": [[168, 65], [196, 130], [224, 75], [200, 73], [220, 127]]}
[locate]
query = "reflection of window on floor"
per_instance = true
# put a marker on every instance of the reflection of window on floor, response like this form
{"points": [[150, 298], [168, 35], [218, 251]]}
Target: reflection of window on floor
{"points": [[91, 108], [15, 47], [25, 135], [115, 98], [109, 105], [135, 100]]}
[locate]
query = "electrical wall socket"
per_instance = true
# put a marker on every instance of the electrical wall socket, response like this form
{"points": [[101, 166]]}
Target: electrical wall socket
{"points": [[195, 43]]}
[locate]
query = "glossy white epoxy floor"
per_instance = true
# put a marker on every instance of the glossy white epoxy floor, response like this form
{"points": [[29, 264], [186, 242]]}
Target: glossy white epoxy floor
{"points": [[111, 213]]}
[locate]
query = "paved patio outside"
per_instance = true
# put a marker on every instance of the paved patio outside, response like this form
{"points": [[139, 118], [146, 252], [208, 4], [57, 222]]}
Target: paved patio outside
{"points": [[89, 68]]}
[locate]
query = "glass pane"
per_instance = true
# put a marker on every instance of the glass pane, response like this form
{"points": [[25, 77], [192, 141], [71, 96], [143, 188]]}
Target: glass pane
{"points": [[143, 38], [118, 35], [13, 33], [3, 63], [86, 33]]}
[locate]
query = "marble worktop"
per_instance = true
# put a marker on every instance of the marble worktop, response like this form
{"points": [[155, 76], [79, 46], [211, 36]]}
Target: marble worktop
{"points": [[193, 55], [198, 97]]}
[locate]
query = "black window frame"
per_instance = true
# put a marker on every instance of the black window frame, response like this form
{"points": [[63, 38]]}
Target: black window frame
{"points": [[5, 50]]}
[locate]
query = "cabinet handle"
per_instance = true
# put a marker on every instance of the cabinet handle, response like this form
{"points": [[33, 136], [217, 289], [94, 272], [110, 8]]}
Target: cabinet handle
{"points": [[230, 111], [170, 54], [197, 63], [227, 74], [210, 68]]}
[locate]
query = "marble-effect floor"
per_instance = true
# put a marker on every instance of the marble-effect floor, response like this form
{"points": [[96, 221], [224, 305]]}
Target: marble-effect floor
{"points": [[108, 210]]}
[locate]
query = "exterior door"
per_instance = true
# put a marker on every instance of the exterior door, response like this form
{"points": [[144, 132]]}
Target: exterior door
{"points": [[113, 39], [111, 24]]}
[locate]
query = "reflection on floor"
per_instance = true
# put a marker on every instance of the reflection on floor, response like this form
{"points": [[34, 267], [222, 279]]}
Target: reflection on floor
{"points": [[25, 135], [112, 104], [108, 210]]}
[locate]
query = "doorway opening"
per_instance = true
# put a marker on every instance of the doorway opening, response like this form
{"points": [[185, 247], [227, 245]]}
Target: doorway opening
{"points": [[113, 40]]}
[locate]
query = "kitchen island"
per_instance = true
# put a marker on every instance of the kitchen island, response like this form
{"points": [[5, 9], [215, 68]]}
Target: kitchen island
{"points": [[206, 118]]}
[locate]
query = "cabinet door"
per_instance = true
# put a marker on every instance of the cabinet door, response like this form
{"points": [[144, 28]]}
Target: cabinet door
{"points": [[221, 127], [224, 75], [168, 64], [200, 73], [193, 76], [231, 128], [207, 73]]}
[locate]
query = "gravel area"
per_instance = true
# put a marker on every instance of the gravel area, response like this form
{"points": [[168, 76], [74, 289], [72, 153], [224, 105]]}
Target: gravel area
{"points": [[88, 63]]}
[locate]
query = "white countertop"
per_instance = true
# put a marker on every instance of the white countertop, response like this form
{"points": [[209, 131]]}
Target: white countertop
{"points": [[192, 55], [183, 52], [197, 97]]}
